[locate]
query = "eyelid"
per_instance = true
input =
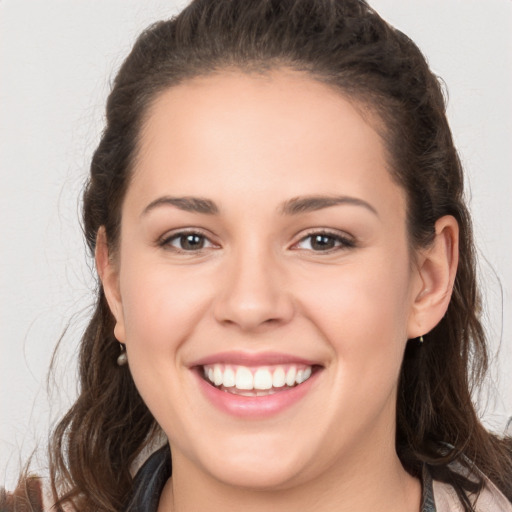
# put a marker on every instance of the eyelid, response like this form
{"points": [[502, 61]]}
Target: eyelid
{"points": [[165, 240], [347, 241]]}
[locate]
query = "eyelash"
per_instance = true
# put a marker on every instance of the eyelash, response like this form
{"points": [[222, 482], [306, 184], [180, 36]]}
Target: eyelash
{"points": [[341, 242], [166, 241]]}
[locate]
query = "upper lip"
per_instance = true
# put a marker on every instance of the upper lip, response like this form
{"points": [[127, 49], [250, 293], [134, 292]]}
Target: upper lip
{"points": [[252, 359]]}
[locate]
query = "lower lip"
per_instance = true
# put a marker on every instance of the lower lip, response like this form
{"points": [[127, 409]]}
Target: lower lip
{"points": [[255, 406]]}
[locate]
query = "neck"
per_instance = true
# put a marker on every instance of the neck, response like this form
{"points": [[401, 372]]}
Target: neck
{"points": [[373, 481]]}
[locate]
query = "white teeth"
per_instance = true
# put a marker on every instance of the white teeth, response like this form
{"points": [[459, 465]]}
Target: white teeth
{"points": [[262, 381], [279, 378], [217, 376], [244, 379], [229, 378], [290, 376]]}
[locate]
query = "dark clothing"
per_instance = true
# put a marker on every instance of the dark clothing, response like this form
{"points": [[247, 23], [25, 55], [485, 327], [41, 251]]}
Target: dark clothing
{"points": [[149, 482]]}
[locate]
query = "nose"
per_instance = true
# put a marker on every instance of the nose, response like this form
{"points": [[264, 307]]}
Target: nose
{"points": [[253, 293]]}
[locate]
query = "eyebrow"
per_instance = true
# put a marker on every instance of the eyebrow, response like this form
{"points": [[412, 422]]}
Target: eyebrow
{"points": [[305, 204], [187, 204], [294, 206]]}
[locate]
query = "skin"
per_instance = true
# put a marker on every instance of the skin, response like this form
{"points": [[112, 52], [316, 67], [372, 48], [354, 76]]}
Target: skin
{"points": [[250, 143]]}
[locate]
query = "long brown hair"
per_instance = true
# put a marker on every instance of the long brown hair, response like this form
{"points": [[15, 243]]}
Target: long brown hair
{"points": [[345, 44]]}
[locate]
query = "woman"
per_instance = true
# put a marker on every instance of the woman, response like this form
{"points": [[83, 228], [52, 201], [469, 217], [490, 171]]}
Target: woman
{"points": [[288, 300]]}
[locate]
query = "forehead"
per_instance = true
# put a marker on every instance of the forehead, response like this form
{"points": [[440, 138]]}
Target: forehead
{"points": [[257, 134]]}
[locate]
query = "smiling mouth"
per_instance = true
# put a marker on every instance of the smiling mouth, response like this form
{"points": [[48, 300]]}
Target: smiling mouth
{"points": [[256, 381]]}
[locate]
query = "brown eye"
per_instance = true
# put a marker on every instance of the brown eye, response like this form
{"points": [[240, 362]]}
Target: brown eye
{"points": [[187, 242], [324, 242], [191, 242]]}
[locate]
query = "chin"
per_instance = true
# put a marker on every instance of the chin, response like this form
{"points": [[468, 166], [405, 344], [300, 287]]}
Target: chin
{"points": [[257, 464], [258, 476]]}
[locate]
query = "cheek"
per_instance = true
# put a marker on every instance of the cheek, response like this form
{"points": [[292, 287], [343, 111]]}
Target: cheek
{"points": [[362, 311], [161, 304]]}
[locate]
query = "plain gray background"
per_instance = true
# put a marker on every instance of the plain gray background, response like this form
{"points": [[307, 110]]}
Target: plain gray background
{"points": [[56, 61]]}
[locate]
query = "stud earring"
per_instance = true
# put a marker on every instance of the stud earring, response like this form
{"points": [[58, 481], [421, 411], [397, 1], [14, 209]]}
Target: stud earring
{"points": [[122, 358], [421, 340]]}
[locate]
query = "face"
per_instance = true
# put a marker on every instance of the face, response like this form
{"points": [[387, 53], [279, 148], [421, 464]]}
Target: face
{"points": [[263, 282]]}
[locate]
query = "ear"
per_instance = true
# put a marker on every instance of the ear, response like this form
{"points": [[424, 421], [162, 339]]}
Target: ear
{"points": [[109, 275], [436, 270]]}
